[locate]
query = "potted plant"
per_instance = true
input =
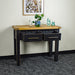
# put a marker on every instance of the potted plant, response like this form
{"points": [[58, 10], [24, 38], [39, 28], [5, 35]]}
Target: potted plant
{"points": [[38, 19]]}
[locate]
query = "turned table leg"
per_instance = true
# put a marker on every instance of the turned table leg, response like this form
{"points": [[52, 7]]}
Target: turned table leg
{"points": [[50, 45], [56, 50]]}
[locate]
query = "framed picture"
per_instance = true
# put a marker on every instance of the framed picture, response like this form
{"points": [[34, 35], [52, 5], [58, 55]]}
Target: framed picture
{"points": [[32, 7]]}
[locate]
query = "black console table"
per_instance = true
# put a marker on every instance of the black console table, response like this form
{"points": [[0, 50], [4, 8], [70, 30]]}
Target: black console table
{"points": [[31, 33]]}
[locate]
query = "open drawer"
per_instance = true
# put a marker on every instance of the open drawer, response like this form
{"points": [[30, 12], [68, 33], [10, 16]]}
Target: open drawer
{"points": [[31, 37], [52, 36]]}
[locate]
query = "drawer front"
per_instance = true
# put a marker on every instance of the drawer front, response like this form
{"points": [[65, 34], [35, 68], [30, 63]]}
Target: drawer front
{"points": [[52, 36], [32, 37]]}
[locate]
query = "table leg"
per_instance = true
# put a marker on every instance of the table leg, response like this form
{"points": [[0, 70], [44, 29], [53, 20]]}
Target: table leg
{"points": [[56, 50], [50, 44], [18, 48], [14, 46]]}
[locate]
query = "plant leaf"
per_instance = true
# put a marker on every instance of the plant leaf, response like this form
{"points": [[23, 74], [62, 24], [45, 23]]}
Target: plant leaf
{"points": [[36, 16], [42, 15], [33, 21], [39, 18]]}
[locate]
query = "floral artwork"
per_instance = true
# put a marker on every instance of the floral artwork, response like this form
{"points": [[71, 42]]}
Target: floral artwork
{"points": [[33, 7]]}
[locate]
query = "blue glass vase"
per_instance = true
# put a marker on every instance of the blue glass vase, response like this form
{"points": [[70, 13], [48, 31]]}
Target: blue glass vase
{"points": [[37, 23]]}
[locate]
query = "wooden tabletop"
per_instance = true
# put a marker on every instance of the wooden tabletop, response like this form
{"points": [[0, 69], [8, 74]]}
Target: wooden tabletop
{"points": [[28, 27]]}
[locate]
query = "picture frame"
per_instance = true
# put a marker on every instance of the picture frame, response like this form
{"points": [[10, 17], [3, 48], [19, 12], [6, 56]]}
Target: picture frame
{"points": [[32, 7]]}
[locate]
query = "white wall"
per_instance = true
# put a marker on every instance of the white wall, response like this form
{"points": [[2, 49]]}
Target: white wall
{"points": [[62, 11]]}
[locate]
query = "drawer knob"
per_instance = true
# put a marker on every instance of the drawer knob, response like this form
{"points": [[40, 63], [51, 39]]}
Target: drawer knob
{"points": [[52, 37], [33, 38]]}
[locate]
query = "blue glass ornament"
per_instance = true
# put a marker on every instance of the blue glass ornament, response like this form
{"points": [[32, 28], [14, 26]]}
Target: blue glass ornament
{"points": [[53, 23], [48, 22]]}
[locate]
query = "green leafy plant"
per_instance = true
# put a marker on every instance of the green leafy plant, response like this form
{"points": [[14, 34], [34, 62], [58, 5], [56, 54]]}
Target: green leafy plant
{"points": [[38, 17]]}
